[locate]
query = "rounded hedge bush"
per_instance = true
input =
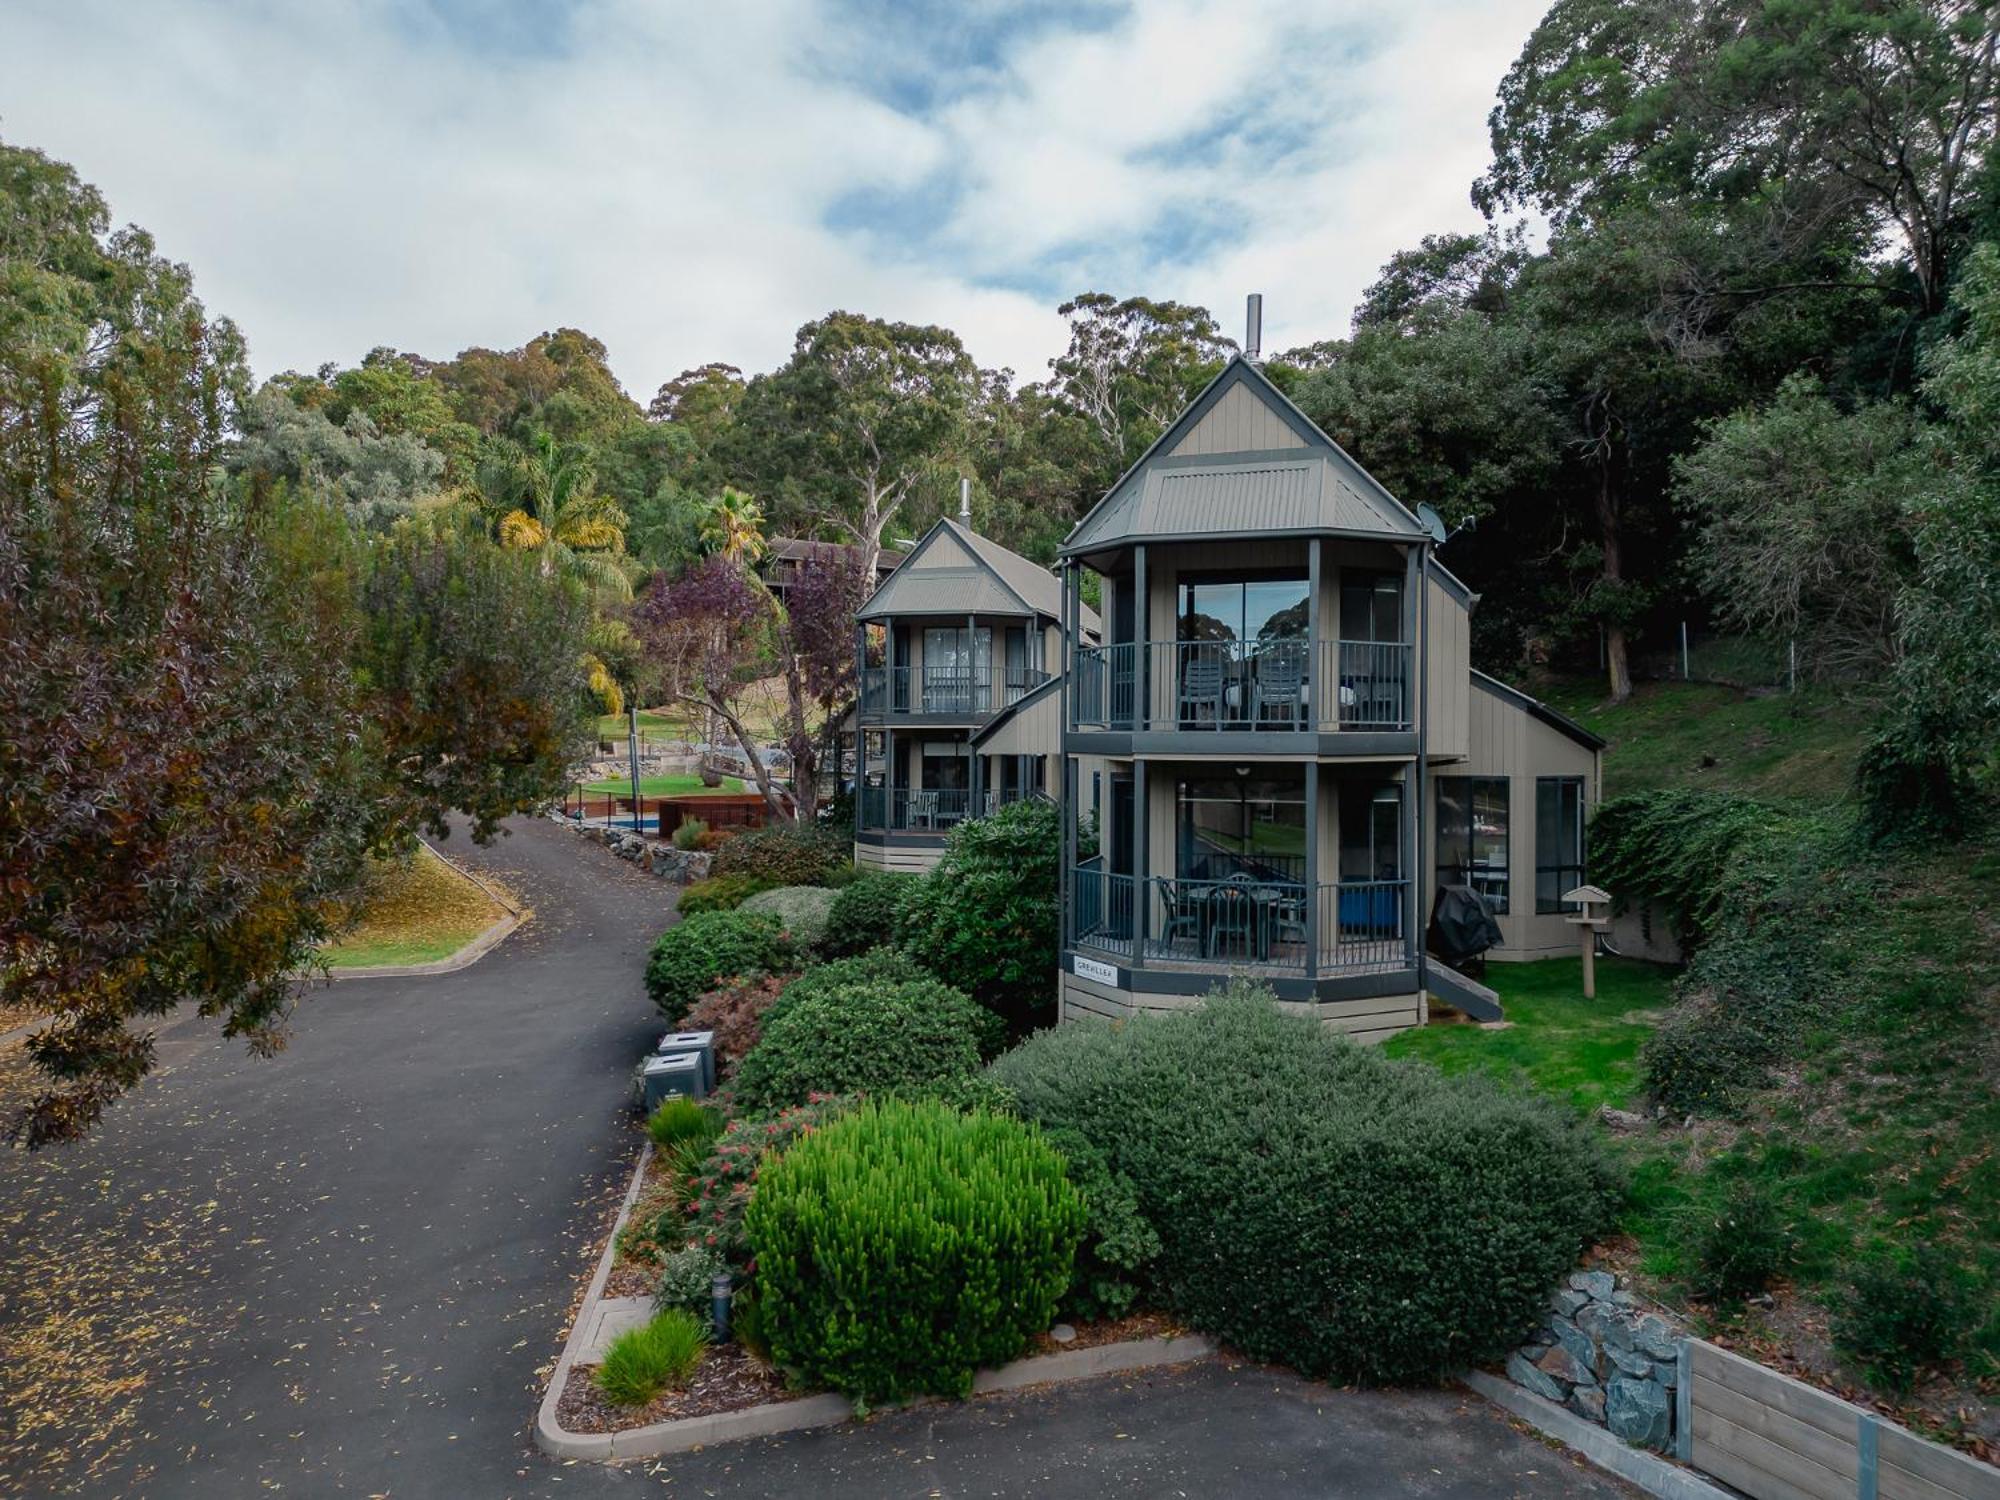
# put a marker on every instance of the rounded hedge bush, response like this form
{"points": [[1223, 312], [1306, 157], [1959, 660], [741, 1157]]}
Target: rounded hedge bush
{"points": [[906, 1245], [865, 913], [868, 1036], [988, 916], [789, 854], [692, 955], [1359, 1219], [804, 910]]}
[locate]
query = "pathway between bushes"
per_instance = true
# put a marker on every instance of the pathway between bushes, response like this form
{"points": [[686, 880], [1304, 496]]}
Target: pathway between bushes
{"points": [[340, 1271]]}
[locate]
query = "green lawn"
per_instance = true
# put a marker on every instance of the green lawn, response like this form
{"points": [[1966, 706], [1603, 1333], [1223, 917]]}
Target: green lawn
{"points": [[663, 786], [1780, 746], [1584, 1052]]}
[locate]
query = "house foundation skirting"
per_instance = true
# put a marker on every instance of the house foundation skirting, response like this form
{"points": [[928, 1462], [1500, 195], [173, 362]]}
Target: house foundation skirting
{"points": [[910, 853], [1367, 1007]]}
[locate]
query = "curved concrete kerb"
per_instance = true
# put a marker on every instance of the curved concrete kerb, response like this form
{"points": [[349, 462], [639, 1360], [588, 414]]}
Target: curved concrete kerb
{"points": [[467, 956]]}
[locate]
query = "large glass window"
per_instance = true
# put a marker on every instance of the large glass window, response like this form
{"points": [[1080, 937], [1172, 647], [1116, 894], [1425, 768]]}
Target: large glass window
{"points": [[1371, 607], [1371, 830], [1243, 609], [958, 665], [1472, 835], [1558, 840], [1241, 827]]}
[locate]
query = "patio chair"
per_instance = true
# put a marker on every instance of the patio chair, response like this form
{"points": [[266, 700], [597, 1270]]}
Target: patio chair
{"points": [[1288, 913], [1281, 682], [923, 809], [1231, 919], [1200, 686], [1181, 909]]}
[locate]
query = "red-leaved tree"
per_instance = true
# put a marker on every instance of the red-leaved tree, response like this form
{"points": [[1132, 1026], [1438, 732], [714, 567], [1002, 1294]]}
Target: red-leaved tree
{"points": [[816, 642]]}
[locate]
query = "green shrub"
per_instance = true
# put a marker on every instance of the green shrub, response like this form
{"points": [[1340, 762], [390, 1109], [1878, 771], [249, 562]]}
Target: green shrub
{"points": [[988, 916], [871, 1036], [1676, 849], [644, 1361], [688, 835], [686, 1282], [789, 854], [1741, 1250], [1769, 968], [680, 1120], [1119, 1246], [1904, 1315], [876, 966], [1316, 1203], [803, 909], [865, 912], [720, 893], [701, 950], [907, 1245], [721, 1190]]}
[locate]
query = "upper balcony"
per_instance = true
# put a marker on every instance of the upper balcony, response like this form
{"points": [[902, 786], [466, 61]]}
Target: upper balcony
{"points": [[1284, 687], [945, 694]]}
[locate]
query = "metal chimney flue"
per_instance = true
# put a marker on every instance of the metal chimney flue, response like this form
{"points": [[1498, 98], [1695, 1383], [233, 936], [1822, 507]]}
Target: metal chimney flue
{"points": [[965, 503], [1253, 328]]}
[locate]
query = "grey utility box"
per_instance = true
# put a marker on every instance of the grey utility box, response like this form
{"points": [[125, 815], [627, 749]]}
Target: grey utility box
{"points": [[671, 1075], [702, 1042]]}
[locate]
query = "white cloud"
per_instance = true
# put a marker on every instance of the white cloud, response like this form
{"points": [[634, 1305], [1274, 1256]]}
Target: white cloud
{"points": [[346, 175]]}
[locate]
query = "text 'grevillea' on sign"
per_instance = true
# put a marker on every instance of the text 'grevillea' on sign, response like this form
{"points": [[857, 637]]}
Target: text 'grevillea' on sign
{"points": [[1095, 972]]}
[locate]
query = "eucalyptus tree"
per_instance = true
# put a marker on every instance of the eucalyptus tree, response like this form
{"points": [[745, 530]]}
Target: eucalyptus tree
{"points": [[845, 431]]}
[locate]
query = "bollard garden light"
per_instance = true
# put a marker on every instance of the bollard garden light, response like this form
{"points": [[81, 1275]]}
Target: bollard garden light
{"points": [[718, 1305]]}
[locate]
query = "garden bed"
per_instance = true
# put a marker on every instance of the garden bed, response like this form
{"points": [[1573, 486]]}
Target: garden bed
{"points": [[727, 1379]]}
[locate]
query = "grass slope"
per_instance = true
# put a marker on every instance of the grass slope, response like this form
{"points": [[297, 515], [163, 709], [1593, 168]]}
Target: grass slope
{"points": [[414, 914], [1779, 746]]}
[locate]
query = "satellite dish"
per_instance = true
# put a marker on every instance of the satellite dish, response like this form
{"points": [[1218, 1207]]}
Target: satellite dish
{"points": [[1432, 522]]}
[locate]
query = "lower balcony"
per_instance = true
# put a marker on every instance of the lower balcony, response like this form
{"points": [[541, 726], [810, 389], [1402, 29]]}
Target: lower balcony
{"points": [[1241, 924], [932, 810]]}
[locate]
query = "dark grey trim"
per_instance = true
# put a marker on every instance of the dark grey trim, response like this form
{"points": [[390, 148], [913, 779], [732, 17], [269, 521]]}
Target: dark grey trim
{"points": [[1286, 986], [1229, 529], [1453, 584], [875, 838], [883, 717], [985, 731], [1537, 709], [1244, 745]]}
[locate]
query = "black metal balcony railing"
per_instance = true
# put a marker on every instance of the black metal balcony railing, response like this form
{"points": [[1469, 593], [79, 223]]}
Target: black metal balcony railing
{"points": [[1242, 924], [1245, 685], [929, 810], [952, 692]]}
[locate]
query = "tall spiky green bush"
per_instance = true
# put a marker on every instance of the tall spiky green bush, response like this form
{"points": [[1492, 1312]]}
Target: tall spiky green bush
{"points": [[906, 1245]]}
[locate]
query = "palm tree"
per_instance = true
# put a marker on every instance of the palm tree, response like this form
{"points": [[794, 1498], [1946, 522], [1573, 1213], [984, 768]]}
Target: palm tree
{"points": [[732, 523], [544, 498]]}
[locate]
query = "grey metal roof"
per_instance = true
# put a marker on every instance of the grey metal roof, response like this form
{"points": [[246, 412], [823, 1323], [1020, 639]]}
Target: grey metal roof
{"points": [[1313, 487], [994, 581]]}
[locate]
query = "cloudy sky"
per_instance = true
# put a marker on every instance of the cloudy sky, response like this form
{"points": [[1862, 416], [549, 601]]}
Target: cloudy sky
{"points": [[692, 181]]}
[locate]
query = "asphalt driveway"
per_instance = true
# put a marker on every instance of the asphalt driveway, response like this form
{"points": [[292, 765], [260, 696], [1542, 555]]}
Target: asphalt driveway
{"points": [[342, 1271]]}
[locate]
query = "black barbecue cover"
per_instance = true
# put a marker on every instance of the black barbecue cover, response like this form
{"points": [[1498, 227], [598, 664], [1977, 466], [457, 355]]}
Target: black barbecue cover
{"points": [[1462, 925]]}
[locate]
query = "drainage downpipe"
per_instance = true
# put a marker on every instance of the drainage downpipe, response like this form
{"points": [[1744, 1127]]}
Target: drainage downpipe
{"points": [[1423, 717]]}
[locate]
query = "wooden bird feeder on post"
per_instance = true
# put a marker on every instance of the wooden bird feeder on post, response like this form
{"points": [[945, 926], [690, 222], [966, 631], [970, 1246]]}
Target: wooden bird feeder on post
{"points": [[1591, 917]]}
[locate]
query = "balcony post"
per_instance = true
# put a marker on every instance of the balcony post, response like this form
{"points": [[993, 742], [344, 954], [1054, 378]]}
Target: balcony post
{"points": [[1413, 601], [1312, 848], [1142, 866], [1142, 620], [1069, 817], [1322, 667], [888, 781], [1068, 649]]}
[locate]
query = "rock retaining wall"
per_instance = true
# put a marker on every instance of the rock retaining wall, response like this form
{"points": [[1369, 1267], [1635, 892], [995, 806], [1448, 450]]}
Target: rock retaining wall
{"points": [[681, 866], [1606, 1358]]}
